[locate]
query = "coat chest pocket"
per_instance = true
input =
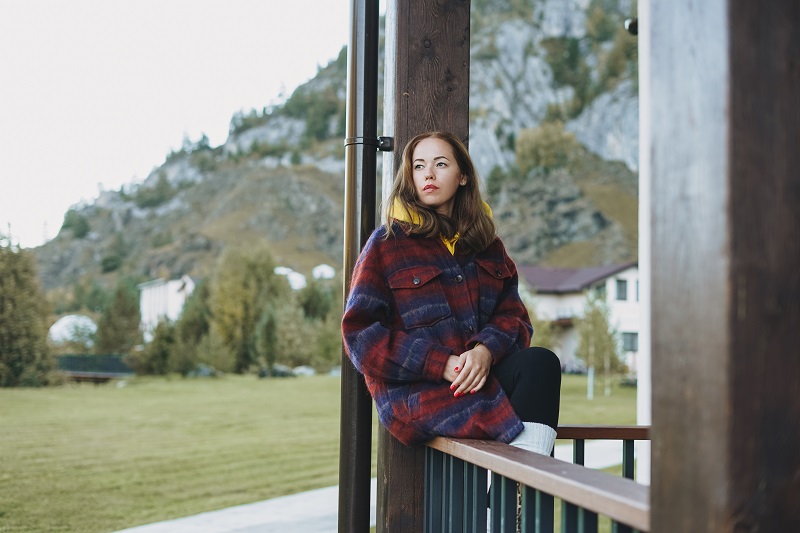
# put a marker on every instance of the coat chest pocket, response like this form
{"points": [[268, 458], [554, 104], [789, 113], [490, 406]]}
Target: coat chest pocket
{"points": [[419, 295], [492, 277]]}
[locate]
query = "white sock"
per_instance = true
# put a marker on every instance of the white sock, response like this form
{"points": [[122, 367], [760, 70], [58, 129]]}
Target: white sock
{"points": [[535, 437]]}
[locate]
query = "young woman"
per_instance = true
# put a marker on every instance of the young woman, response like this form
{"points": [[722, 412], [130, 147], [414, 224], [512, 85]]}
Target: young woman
{"points": [[434, 320]]}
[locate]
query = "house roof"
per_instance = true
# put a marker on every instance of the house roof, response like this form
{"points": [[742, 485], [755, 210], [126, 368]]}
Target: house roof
{"points": [[562, 280]]}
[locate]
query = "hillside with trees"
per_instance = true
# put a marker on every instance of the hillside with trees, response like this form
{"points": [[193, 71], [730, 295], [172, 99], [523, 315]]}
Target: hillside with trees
{"points": [[553, 131]]}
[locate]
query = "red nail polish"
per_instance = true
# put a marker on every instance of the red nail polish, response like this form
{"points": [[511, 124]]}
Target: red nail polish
{"points": [[457, 394], [472, 391], [456, 369], [452, 387]]}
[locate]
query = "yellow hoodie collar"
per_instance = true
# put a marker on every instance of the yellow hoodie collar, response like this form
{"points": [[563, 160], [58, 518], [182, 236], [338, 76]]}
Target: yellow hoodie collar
{"points": [[400, 213]]}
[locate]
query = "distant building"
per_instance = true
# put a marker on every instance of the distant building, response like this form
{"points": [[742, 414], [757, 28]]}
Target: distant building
{"points": [[161, 299], [560, 296]]}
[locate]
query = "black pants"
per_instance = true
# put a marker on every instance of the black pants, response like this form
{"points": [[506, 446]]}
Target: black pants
{"points": [[531, 378]]}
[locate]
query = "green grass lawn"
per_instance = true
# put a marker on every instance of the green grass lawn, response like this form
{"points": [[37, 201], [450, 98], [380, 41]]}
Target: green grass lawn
{"points": [[86, 458]]}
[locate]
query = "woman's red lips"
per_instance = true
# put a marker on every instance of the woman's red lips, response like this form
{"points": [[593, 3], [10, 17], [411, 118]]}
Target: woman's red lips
{"points": [[430, 188]]}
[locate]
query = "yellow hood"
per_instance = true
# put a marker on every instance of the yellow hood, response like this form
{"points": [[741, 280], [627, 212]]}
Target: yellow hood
{"points": [[400, 213]]}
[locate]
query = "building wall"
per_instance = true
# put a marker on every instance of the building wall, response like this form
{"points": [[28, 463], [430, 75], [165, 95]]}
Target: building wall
{"points": [[623, 314], [160, 299]]}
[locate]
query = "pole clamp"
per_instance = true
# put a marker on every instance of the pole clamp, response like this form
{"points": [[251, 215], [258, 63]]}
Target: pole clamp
{"points": [[384, 144]]}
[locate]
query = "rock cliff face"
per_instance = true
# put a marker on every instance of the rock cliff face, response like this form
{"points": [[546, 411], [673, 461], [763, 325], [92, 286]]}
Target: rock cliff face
{"points": [[279, 176]]}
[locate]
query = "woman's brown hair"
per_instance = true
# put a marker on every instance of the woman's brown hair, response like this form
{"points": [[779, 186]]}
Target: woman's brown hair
{"points": [[470, 219]]}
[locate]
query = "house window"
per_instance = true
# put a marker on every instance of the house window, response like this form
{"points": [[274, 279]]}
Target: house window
{"points": [[600, 291], [622, 289], [630, 342]]}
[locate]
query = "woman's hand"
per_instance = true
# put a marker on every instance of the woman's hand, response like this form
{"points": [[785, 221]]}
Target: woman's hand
{"points": [[451, 368], [468, 372]]}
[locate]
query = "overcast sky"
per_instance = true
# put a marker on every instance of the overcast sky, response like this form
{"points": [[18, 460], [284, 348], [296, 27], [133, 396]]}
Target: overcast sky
{"points": [[95, 93]]}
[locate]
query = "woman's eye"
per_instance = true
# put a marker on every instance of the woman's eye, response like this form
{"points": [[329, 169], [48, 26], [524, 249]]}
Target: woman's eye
{"points": [[417, 167], [441, 164]]}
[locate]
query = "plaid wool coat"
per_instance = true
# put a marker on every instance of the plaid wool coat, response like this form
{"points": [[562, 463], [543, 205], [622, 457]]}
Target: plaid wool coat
{"points": [[411, 305]]}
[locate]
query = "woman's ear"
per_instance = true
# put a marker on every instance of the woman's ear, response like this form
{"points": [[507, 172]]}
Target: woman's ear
{"points": [[463, 180]]}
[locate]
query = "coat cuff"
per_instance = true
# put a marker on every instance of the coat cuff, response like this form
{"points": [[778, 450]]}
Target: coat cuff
{"points": [[490, 342], [435, 363]]}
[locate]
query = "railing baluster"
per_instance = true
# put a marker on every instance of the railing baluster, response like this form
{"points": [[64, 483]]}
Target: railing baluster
{"points": [[628, 447], [433, 494], [570, 521], [616, 527], [455, 519], [446, 493], [588, 522], [504, 504], [628, 463], [475, 498], [545, 512], [529, 510]]}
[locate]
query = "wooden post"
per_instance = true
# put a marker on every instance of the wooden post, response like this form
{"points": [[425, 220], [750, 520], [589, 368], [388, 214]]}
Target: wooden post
{"points": [[725, 170], [427, 87]]}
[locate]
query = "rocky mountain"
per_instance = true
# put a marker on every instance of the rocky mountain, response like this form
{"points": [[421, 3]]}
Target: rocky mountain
{"points": [[278, 178]]}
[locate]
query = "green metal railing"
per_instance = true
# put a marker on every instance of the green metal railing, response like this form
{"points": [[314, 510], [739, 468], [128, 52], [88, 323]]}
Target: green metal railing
{"points": [[525, 487]]}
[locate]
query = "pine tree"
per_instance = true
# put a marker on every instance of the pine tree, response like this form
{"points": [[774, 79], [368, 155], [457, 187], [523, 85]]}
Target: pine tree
{"points": [[118, 328], [24, 356]]}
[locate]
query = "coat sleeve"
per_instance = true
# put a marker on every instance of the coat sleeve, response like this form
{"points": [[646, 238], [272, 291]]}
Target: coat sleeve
{"points": [[508, 328], [377, 349]]}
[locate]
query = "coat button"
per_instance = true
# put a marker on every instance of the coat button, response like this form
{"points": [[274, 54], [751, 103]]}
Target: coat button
{"points": [[459, 278], [498, 273], [415, 281], [471, 329]]}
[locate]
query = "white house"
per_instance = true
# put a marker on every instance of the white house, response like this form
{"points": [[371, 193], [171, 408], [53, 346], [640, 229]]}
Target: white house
{"points": [[161, 299], [559, 295]]}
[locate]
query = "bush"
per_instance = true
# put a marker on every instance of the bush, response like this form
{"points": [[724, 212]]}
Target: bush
{"points": [[76, 222], [110, 263], [160, 193], [162, 238], [547, 147], [212, 351], [155, 357]]}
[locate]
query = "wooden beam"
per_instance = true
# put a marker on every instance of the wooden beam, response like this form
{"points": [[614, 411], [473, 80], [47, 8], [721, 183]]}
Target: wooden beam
{"points": [[725, 79], [604, 432], [427, 73]]}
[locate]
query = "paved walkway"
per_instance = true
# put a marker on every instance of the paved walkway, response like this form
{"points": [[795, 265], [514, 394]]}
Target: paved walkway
{"points": [[316, 511]]}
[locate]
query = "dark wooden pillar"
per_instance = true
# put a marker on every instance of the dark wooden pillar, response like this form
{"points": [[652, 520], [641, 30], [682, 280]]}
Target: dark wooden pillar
{"points": [[427, 80], [725, 170]]}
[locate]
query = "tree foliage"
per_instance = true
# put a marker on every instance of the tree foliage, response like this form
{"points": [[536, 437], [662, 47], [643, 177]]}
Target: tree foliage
{"points": [[24, 356], [316, 300], [316, 108], [598, 340], [76, 222], [244, 285], [155, 357], [547, 147], [161, 192], [118, 327]]}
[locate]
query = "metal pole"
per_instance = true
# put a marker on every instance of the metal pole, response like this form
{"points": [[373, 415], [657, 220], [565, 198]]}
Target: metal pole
{"points": [[361, 145]]}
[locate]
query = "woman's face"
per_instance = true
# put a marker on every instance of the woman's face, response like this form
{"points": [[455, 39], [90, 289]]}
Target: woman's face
{"points": [[436, 174]]}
